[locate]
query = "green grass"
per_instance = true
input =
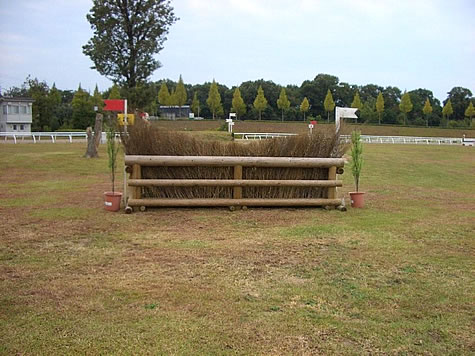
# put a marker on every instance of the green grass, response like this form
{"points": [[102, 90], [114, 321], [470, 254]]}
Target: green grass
{"points": [[393, 278]]}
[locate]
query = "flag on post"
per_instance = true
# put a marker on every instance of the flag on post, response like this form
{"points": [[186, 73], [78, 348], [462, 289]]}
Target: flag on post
{"points": [[114, 105]]}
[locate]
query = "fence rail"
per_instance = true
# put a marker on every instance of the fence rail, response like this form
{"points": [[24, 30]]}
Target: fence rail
{"points": [[21, 137], [135, 183]]}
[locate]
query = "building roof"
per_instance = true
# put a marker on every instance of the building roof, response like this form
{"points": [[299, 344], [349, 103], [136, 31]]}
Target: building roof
{"points": [[16, 99]]}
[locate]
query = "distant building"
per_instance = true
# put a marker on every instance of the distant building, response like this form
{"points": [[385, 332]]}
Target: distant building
{"points": [[175, 112], [15, 114]]}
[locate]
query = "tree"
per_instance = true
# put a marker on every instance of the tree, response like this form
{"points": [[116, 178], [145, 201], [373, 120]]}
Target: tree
{"points": [[195, 105], [164, 95], [114, 93], [180, 93], [470, 112], [54, 99], [447, 110], [356, 103], [238, 105], [405, 105], [380, 106], [283, 103], [126, 36], [41, 111], [459, 98], [83, 112], [260, 103], [214, 100], [427, 110], [97, 99], [304, 107], [329, 104]]}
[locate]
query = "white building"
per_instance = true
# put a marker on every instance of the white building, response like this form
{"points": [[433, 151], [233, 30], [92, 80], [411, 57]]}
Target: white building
{"points": [[15, 114]]}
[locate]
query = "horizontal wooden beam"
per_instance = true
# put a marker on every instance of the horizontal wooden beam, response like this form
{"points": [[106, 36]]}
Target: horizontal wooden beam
{"points": [[226, 161], [231, 202], [232, 183]]}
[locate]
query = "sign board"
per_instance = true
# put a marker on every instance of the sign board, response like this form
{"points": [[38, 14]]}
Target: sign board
{"points": [[349, 113], [130, 119], [114, 105], [313, 122], [311, 126]]}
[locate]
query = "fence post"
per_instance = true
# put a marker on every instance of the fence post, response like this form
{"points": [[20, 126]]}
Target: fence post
{"points": [[237, 192], [332, 176]]}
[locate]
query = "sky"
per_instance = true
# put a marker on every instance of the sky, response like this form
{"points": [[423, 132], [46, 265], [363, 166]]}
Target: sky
{"points": [[410, 44]]}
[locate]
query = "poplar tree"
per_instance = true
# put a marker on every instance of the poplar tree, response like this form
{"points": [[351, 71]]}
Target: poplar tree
{"points": [[470, 112], [304, 107], [447, 110], [405, 105], [180, 93], [238, 105], [195, 105], [164, 95], [329, 104], [380, 106], [427, 110], [283, 103], [260, 103], [214, 100], [357, 104]]}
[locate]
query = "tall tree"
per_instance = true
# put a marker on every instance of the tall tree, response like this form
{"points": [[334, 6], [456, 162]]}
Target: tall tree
{"points": [[405, 105], [356, 103], [83, 112], [447, 110], [180, 93], [427, 110], [97, 99], [470, 112], [260, 103], [329, 104], [283, 103], [460, 98], [126, 36], [304, 107], [164, 95], [195, 105], [214, 100], [54, 98], [238, 105], [115, 92], [380, 106]]}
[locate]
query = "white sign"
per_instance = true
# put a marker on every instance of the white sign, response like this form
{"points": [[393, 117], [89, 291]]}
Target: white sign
{"points": [[349, 113], [310, 126]]}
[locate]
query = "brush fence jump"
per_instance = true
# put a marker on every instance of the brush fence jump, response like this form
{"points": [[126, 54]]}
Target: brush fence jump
{"points": [[134, 165]]}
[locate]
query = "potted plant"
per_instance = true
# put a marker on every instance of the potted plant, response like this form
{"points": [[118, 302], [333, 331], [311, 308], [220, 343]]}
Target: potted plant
{"points": [[357, 198], [112, 199]]}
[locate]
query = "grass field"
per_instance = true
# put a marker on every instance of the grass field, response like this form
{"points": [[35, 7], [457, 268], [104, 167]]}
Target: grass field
{"points": [[396, 277]]}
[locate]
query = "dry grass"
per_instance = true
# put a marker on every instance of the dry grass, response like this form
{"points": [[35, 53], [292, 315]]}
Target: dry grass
{"points": [[152, 140]]}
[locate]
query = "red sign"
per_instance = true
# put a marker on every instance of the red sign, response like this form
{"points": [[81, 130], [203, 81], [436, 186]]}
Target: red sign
{"points": [[114, 105], [313, 122]]}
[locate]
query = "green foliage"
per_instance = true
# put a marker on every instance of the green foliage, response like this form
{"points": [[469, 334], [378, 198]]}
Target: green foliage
{"points": [[405, 105], [238, 105], [83, 110], [112, 152], [447, 110], [356, 157], [304, 107], [260, 103], [329, 104], [195, 105], [283, 103], [114, 93], [126, 36], [180, 93], [356, 103], [214, 100], [97, 100], [368, 113], [460, 98], [380, 106], [470, 111], [164, 95], [427, 110]]}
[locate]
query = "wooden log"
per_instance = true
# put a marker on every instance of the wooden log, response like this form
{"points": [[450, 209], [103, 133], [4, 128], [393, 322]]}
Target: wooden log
{"points": [[136, 192], [224, 161], [331, 176], [340, 170], [232, 183], [232, 202], [237, 191]]}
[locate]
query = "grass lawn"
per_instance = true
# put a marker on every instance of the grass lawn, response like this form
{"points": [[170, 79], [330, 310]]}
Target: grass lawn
{"points": [[396, 277]]}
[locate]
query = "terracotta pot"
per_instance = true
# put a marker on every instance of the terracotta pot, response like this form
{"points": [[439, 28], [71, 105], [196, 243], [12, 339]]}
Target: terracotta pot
{"points": [[112, 201], [357, 199]]}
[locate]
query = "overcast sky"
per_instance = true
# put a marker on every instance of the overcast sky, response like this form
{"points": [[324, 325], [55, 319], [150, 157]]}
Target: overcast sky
{"points": [[405, 43]]}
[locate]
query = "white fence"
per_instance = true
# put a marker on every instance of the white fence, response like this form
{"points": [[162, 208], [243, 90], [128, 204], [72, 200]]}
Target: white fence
{"points": [[19, 137]]}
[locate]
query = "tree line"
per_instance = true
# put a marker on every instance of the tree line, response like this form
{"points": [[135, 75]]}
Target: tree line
{"points": [[55, 109]]}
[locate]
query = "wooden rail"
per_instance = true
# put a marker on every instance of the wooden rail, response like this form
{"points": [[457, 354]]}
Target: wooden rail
{"points": [[135, 163]]}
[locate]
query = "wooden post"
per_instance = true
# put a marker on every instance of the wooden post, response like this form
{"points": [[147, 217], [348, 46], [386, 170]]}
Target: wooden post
{"points": [[332, 176], [237, 193], [136, 192]]}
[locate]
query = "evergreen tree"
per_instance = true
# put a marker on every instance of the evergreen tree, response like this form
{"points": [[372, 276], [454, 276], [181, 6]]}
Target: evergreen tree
{"points": [[54, 98], [214, 100], [470, 112], [405, 105], [238, 105], [260, 103], [304, 107], [164, 95], [180, 93], [97, 99], [427, 110], [173, 101], [114, 93], [195, 105], [83, 112], [329, 104], [283, 103], [380, 106], [356, 103], [447, 110]]}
